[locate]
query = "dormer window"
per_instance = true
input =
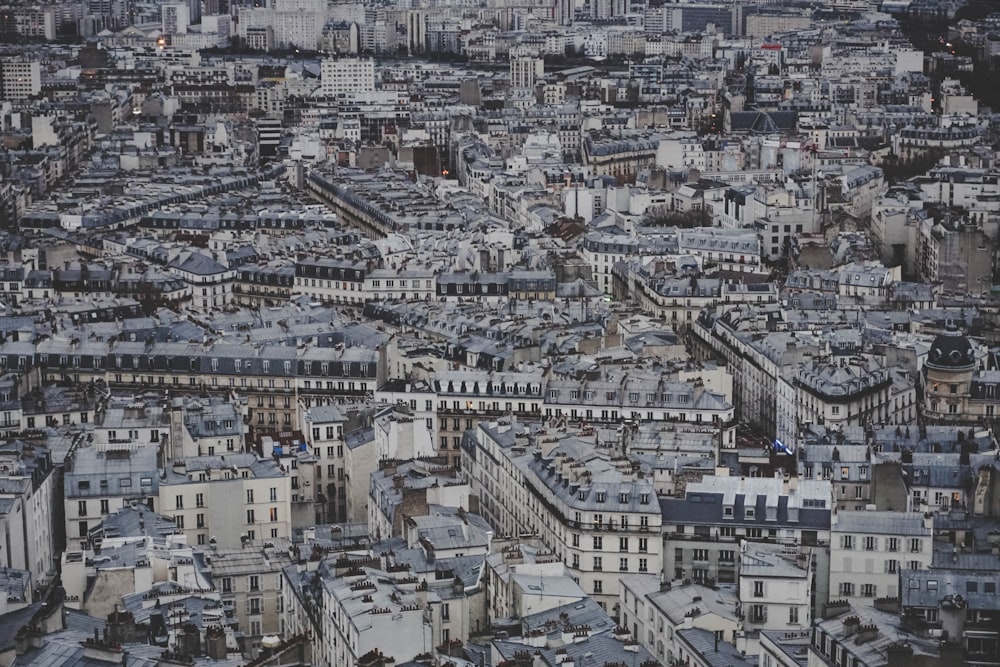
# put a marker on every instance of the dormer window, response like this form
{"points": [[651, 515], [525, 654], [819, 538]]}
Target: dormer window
{"points": [[751, 512], [600, 496]]}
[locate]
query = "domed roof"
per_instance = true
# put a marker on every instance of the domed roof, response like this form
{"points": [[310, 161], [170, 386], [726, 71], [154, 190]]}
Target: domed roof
{"points": [[951, 351]]}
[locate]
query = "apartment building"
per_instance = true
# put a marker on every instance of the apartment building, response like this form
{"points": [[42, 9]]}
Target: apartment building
{"points": [[869, 550], [775, 587], [250, 583], [401, 490], [592, 511], [843, 391], [227, 500], [756, 361], [870, 637], [99, 482], [20, 78], [346, 76], [271, 376], [655, 612], [642, 395], [960, 605], [467, 398], [324, 426], [705, 527], [27, 513]]}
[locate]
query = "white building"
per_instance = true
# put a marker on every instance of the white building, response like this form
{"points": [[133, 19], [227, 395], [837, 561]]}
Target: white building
{"points": [[775, 587], [592, 512], [868, 550], [344, 76], [230, 498], [176, 16], [654, 613]]}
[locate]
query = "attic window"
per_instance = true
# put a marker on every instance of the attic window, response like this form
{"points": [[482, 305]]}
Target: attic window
{"points": [[83, 486], [600, 496], [727, 511], [751, 512]]}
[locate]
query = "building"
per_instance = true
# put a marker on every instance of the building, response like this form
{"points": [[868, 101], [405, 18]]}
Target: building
{"points": [[525, 71], [959, 605], [654, 613], [775, 587], [716, 515], [250, 583], [227, 499], [341, 77], [176, 18], [869, 550], [99, 482], [20, 78], [587, 506]]}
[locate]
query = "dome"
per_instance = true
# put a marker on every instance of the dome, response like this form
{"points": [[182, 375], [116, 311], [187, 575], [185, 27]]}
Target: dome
{"points": [[951, 351]]}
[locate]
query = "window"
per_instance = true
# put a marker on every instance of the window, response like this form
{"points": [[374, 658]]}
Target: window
{"points": [[199, 500], [846, 588], [758, 589], [227, 584], [81, 508], [892, 544], [576, 540], [576, 561], [598, 586], [273, 494], [598, 564], [622, 544], [643, 565], [870, 543], [83, 529], [643, 544], [445, 612], [793, 615], [200, 520], [701, 554], [623, 564], [758, 613], [253, 582], [250, 516], [249, 495], [104, 506], [253, 605], [727, 556], [915, 545], [891, 566], [179, 521], [846, 541], [868, 590], [598, 543], [990, 587], [273, 514], [179, 502]]}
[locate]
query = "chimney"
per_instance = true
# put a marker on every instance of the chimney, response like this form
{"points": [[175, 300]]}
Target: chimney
{"points": [[900, 654], [851, 625], [215, 643]]}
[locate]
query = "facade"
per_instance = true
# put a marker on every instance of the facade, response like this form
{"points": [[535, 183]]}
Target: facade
{"points": [[346, 76], [775, 587], [230, 498], [716, 515], [596, 516], [99, 482], [870, 549]]}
